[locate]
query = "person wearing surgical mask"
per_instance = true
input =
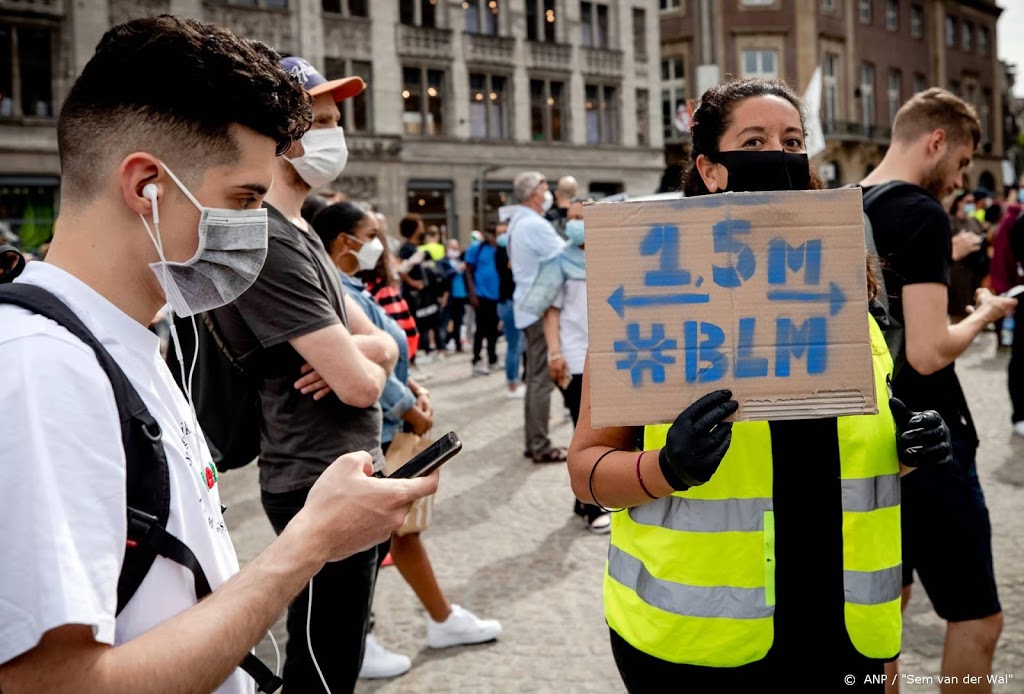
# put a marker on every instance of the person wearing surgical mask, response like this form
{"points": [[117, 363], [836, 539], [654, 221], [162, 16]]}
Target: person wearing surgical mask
{"points": [[970, 255], [351, 236], [326, 367], [531, 239], [167, 140]]}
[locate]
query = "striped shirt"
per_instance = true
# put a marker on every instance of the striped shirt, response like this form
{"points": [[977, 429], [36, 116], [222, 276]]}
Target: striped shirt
{"points": [[395, 306]]}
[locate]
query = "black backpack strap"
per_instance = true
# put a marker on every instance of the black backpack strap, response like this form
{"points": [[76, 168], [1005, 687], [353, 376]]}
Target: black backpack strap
{"points": [[12, 263], [145, 531], [147, 476]]}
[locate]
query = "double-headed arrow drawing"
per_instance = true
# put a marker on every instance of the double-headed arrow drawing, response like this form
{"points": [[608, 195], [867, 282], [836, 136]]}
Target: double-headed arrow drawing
{"points": [[834, 297], [619, 301]]}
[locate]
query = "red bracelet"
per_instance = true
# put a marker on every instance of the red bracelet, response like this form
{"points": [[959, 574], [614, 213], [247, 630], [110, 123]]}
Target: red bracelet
{"points": [[640, 478]]}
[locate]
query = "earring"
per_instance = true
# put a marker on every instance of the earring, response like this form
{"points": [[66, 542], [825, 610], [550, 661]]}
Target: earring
{"points": [[712, 186]]}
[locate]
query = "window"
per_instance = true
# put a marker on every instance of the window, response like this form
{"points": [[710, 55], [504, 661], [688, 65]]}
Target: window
{"points": [[640, 34], [643, 119], [967, 36], [954, 86], [755, 3], [920, 82], [356, 112], [895, 93], [950, 31], [487, 113], [602, 114], [347, 8], [269, 4], [830, 90], [547, 110], [594, 24], [867, 95], [26, 74], [864, 10], [675, 119], [418, 13], [916, 21], [540, 20], [983, 40], [892, 15], [760, 63], [423, 97], [666, 5], [971, 94], [985, 115], [828, 6], [481, 16]]}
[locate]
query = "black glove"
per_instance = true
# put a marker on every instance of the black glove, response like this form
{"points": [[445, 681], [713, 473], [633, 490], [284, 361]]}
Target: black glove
{"points": [[922, 438], [697, 441]]}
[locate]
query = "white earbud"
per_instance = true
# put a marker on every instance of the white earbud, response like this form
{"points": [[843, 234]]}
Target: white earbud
{"points": [[149, 192]]}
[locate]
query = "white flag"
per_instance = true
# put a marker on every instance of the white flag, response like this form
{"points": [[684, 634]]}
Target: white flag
{"points": [[812, 103]]}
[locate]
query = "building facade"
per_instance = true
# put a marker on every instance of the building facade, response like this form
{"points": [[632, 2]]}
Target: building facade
{"points": [[874, 55], [462, 95]]}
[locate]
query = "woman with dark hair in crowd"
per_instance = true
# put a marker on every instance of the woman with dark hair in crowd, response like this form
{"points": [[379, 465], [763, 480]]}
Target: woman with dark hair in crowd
{"points": [[751, 551], [353, 239]]}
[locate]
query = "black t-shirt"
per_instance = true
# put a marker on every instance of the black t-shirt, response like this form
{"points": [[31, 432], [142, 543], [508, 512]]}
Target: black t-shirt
{"points": [[914, 240], [407, 251], [507, 281], [297, 292]]}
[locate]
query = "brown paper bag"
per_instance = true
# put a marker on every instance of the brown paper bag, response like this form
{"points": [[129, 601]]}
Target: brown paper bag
{"points": [[404, 447]]}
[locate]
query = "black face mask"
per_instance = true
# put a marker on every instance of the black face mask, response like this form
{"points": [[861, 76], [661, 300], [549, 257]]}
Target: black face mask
{"points": [[759, 171]]}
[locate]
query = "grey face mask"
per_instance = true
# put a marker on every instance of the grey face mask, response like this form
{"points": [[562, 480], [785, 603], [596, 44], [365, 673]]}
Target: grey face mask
{"points": [[232, 250]]}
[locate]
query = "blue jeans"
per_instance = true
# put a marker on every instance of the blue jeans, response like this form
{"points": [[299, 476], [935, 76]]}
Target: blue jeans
{"points": [[514, 338]]}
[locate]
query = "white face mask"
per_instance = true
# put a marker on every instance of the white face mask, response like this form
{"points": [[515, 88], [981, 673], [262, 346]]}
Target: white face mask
{"points": [[232, 250], [369, 254], [549, 200], [324, 158]]}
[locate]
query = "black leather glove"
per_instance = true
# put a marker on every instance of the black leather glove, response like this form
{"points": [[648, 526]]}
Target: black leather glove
{"points": [[922, 438], [697, 441]]}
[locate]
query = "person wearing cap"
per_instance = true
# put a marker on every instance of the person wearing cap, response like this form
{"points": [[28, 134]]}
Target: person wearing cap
{"points": [[323, 368]]}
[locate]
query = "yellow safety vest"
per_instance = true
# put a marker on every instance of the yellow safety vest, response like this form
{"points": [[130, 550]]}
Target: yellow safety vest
{"points": [[691, 577]]}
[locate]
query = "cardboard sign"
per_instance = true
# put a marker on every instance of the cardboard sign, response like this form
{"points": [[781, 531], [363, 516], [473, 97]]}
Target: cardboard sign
{"points": [[761, 293]]}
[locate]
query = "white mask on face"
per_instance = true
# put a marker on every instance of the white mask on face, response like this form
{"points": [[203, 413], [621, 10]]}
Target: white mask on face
{"points": [[369, 254], [549, 200], [232, 250], [324, 158]]}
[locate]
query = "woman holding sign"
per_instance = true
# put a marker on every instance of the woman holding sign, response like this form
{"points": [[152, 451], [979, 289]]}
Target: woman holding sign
{"points": [[760, 549]]}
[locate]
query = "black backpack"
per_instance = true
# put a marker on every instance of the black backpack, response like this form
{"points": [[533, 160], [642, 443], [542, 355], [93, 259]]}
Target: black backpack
{"points": [[225, 392], [147, 477], [879, 306]]}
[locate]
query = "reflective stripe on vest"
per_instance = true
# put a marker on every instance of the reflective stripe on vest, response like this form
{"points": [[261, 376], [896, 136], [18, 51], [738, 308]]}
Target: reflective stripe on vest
{"points": [[690, 577]]}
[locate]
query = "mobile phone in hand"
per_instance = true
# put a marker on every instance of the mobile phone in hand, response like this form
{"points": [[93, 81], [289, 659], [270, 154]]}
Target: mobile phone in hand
{"points": [[1015, 292], [436, 455]]}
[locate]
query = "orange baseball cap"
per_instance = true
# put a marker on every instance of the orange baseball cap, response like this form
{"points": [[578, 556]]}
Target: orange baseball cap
{"points": [[316, 84]]}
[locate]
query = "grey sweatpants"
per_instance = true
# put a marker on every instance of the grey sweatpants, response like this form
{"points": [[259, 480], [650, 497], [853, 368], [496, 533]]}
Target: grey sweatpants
{"points": [[538, 391]]}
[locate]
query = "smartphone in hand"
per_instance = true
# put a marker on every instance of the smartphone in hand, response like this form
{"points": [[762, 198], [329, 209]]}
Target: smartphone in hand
{"points": [[439, 452]]}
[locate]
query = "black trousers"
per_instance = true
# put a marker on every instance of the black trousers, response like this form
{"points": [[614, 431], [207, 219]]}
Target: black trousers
{"points": [[1015, 376], [339, 620], [486, 329], [456, 313]]}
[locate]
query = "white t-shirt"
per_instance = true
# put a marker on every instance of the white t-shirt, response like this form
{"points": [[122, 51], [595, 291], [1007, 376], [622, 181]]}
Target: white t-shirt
{"points": [[531, 239], [572, 324], [62, 478]]}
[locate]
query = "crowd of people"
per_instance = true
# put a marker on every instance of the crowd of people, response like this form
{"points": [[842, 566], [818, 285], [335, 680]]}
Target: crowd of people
{"points": [[199, 165]]}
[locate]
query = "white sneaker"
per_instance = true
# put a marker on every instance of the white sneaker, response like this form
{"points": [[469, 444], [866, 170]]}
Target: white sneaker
{"points": [[518, 394], [380, 663], [462, 628], [602, 525], [1018, 428], [481, 370]]}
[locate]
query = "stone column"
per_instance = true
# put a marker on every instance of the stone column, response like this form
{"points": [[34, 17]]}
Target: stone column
{"points": [[387, 70]]}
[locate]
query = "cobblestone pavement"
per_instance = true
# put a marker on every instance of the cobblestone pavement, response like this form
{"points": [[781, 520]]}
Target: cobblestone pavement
{"points": [[504, 544]]}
